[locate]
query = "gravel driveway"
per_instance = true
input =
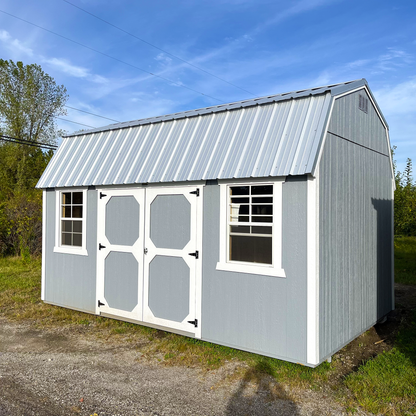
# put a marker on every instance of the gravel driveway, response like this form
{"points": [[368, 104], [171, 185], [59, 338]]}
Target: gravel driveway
{"points": [[55, 372]]}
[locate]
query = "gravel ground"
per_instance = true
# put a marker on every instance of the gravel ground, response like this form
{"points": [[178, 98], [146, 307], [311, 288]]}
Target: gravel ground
{"points": [[59, 373]]}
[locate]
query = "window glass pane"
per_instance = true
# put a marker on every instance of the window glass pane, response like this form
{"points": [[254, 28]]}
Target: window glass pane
{"points": [[66, 198], [66, 239], [77, 240], [66, 212], [251, 249], [258, 218], [263, 199], [239, 190], [67, 226], [240, 200], [77, 212], [236, 210], [261, 230], [262, 209], [77, 197], [77, 226], [262, 190], [240, 229]]}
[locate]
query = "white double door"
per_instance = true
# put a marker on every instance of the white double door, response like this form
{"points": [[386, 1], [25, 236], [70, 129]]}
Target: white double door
{"points": [[149, 257]]}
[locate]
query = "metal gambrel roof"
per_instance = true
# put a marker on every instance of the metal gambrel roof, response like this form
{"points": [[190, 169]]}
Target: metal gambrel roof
{"points": [[277, 135]]}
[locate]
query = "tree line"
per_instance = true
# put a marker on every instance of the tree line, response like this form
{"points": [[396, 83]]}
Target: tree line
{"points": [[30, 101], [404, 200]]}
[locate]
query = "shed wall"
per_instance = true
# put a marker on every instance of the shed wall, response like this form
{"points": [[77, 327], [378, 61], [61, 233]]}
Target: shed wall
{"points": [[258, 313], [355, 216], [365, 129], [70, 280]]}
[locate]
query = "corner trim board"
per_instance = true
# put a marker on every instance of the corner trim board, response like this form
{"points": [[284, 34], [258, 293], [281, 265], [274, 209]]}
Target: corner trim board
{"points": [[312, 272]]}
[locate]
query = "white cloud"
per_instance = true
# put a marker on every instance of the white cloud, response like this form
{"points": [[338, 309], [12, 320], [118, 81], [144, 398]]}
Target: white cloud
{"points": [[398, 99], [393, 59], [14, 45], [65, 66]]}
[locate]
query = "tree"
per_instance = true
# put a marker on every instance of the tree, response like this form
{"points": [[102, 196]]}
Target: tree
{"points": [[404, 200], [30, 100]]}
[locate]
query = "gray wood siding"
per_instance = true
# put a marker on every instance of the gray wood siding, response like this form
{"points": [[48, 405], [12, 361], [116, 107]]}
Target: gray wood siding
{"points": [[257, 313], [355, 215], [70, 279], [353, 124]]}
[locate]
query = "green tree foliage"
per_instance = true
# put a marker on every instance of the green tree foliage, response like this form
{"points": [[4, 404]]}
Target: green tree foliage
{"points": [[30, 100], [404, 200]]}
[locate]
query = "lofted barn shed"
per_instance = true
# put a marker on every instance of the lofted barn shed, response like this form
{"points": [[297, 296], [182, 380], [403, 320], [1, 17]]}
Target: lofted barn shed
{"points": [[265, 225]]}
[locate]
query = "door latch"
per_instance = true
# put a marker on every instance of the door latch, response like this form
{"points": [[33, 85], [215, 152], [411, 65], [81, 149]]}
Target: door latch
{"points": [[194, 323], [196, 254], [145, 251]]}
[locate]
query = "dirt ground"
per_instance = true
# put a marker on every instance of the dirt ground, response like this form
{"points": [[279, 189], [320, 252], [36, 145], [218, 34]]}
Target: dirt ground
{"points": [[62, 372]]}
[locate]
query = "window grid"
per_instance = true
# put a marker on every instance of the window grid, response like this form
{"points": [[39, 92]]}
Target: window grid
{"points": [[250, 223], [71, 218]]}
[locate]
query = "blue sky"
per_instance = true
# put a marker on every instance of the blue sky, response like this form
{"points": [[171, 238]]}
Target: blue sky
{"points": [[263, 47]]}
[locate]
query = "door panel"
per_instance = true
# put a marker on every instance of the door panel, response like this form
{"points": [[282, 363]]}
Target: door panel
{"points": [[120, 254], [169, 269]]}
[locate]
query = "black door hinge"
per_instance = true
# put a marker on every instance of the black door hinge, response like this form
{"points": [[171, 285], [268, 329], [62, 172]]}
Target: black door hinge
{"points": [[102, 195], [196, 254], [195, 192], [100, 246], [100, 304], [194, 323]]}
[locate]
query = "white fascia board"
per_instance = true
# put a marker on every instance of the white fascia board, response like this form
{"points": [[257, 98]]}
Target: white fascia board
{"points": [[312, 271]]}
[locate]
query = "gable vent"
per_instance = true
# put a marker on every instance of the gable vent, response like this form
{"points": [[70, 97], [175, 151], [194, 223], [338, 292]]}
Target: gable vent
{"points": [[363, 103]]}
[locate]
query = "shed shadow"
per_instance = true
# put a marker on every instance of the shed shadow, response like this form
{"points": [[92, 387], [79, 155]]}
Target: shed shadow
{"points": [[258, 394], [385, 280]]}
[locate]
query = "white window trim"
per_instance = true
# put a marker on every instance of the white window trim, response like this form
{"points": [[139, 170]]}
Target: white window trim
{"points": [[59, 248], [224, 264]]}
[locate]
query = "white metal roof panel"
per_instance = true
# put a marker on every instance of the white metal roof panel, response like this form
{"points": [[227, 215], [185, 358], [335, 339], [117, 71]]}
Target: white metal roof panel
{"points": [[270, 136]]}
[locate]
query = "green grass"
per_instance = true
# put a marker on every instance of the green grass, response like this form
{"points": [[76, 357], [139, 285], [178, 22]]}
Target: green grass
{"points": [[405, 260], [387, 384]]}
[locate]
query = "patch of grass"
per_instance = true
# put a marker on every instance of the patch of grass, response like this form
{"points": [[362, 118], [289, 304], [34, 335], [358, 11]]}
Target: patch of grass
{"points": [[387, 384], [405, 260]]}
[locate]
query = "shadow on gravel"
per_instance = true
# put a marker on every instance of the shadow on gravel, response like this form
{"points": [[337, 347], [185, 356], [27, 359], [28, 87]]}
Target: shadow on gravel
{"points": [[258, 394]]}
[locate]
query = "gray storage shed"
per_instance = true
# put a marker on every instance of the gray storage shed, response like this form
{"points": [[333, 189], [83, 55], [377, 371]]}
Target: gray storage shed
{"points": [[264, 225]]}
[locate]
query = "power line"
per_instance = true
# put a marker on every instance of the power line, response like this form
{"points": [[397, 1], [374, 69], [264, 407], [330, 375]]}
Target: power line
{"points": [[111, 57], [27, 142], [96, 115], [156, 47], [75, 122]]}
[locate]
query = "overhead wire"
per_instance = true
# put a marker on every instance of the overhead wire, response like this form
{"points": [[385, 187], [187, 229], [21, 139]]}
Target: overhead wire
{"points": [[158, 48], [75, 122], [96, 115], [111, 57], [27, 142]]}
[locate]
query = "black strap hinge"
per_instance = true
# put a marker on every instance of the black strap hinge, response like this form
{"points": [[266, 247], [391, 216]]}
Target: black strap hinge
{"points": [[194, 323], [102, 195], [196, 254], [100, 246], [100, 303], [195, 192]]}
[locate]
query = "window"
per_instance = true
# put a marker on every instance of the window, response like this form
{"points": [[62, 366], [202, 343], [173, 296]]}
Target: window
{"points": [[251, 223], [251, 228], [70, 229]]}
